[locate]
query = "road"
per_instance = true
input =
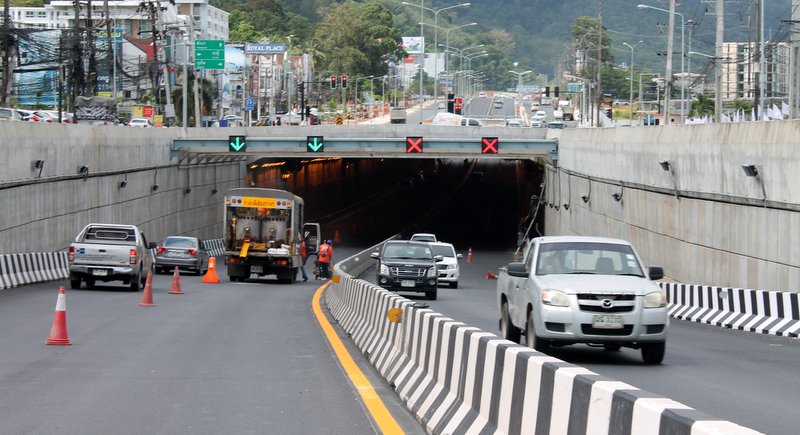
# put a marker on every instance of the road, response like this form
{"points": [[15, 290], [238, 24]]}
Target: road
{"points": [[746, 378], [244, 358]]}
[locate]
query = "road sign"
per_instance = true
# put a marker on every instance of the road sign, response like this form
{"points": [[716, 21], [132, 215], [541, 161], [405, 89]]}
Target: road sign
{"points": [[249, 104], [237, 144], [489, 145], [339, 120], [414, 144], [315, 144], [209, 54], [264, 48]]}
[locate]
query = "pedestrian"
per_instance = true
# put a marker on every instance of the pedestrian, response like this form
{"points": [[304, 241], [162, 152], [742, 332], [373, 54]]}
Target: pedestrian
{"points": [[325, 256], [279, 121], [304, 256]]}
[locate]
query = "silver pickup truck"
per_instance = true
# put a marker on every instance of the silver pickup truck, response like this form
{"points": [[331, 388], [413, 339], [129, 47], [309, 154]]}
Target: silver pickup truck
{"points": [[592, 290], [110, 252]]}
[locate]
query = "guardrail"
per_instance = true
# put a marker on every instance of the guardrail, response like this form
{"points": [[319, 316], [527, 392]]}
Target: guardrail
{"points": [[458, 379]]}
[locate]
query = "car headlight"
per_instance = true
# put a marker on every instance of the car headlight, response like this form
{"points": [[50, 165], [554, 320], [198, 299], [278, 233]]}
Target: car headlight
{"points": [[432, 272], [656, 299], [555, 298], [384, 270]]}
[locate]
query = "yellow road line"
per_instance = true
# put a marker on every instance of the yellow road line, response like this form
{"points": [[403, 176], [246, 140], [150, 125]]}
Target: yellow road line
{"points": [[386, 423]]}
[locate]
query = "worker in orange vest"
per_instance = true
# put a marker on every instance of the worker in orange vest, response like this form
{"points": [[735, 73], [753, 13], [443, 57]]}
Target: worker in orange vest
{"points": [[304, 256], [325, 256]]}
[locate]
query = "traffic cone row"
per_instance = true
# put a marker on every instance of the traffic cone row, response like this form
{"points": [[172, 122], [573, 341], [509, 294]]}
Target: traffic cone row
{"points": [[58, 332], [176, 283], [147, 296], [211, 275], [469, 255]]}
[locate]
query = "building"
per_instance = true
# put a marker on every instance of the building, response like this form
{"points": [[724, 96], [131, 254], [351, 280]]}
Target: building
{"points": [[740, 70]]}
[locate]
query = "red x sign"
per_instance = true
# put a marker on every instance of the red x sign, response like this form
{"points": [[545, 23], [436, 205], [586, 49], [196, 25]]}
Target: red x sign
{"points": [[489, 145], [414, 144]]}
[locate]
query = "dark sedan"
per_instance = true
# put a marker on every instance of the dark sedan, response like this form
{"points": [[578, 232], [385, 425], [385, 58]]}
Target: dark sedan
{"points": [[186, 253]]}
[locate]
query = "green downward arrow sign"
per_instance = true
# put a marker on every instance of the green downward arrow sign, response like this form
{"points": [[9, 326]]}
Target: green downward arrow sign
{"points": [[237, 143], [315, 143]]}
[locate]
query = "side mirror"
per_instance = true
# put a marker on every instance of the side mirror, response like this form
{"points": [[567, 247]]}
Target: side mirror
{"points": [[656, 273], [152, 245], [375, 255], [459, 256], [438, 258], [518, 270]]}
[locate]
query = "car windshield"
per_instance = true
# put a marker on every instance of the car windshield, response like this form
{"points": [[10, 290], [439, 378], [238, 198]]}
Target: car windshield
{"points": [[409, 252], [443, 250], [587, 258], [179, 242]]}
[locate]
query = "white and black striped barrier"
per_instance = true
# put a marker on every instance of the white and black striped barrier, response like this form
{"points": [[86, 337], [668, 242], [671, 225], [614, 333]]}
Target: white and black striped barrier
{"points": [[762, 311], [22, 269], [458, 379]]}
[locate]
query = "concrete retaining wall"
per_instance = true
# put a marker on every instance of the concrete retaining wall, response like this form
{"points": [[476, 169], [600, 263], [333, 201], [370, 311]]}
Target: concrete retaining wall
{"points": [[719, 230], [458, 379]]}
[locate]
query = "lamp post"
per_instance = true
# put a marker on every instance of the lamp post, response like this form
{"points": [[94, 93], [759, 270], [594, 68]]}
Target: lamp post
{"points": [[630, 100], [669, 60], [372, 90], [460, 52], [447, 37], [436, 44], [717, 95], [519, 85], [482, 53]]}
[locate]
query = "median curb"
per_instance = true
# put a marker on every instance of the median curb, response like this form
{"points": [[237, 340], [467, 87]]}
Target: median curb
{"points": [[458, 379]]}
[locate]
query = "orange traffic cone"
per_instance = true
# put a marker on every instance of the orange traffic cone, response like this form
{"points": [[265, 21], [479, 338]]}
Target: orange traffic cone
{"points": [[490, 275], [469, 255], [147, 296], [211, 276], [58, 332], [176, 283]]}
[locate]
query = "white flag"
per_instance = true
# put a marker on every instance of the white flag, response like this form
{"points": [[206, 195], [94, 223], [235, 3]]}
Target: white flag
{"points": [[784, 109], [726, 118]]}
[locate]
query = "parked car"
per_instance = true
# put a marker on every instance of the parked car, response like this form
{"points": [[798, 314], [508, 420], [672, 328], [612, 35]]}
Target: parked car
{"points": [[185, 253], [9, 114], [404, 265], [423, 237], [555, 124], [575, 289], [139, 122], [449, 271], [514, 123]]}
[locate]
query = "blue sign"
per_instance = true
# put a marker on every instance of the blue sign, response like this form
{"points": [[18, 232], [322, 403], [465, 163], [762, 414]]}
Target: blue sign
{"points": [[248, 104], [264, 48]]}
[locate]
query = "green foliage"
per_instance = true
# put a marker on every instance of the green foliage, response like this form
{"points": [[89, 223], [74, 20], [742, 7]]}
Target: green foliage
{"points": [[361, 47], [27, 3], [703, 105], [208, 92], [241, 29]]}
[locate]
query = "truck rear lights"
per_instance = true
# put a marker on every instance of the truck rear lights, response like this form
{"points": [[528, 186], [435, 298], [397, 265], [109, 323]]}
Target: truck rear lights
{"points": [[71, 254], [161, 250], [133, 256], [192, 251]]}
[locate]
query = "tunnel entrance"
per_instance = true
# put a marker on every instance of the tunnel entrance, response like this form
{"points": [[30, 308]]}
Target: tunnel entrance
{"points": [[480, 203]]}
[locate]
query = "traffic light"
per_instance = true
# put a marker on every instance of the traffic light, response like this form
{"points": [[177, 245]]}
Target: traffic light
{"points": [[413, 144], [237, 144], [609, 113], [547, 91], [315, 144], [308, 111], [555, 93], [333, 82], [458, 104], [489, 145], [344, 82], [450, 103]]}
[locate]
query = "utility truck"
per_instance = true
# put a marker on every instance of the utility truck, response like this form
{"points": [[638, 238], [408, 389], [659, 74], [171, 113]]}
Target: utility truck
{"points": [[263, 230]]}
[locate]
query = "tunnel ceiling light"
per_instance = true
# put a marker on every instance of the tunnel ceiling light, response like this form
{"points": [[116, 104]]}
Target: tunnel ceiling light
{"points": [[750, 170], [665, 164]]}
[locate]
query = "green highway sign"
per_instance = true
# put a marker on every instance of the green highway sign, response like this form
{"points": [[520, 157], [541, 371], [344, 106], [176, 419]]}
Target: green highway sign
{"points": [[237, 144], [209, 54], [315, 144]]}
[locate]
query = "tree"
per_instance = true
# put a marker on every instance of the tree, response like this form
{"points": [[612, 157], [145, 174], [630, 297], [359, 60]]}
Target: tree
{"points": [[208, 92], [241, 29], [364, 44], [702, 106]]}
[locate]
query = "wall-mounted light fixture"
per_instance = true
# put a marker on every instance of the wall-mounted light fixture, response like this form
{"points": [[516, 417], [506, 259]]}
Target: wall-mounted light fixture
{"points": [[187, 191], [566, 206], [38, 164], [667, 166], [154, 187], [214, 191], [585, 198], [617, 196], [124, 182], [83, 170], [588, 196], [751, 171]]}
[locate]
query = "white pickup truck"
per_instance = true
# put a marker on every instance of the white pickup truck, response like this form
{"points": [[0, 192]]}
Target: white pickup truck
{"points": [[110, 252], [592, 290]]}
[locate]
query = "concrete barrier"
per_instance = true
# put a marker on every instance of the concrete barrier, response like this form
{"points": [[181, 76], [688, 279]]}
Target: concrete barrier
{"points": [[458, 379], [30, 268], [762, 311]]}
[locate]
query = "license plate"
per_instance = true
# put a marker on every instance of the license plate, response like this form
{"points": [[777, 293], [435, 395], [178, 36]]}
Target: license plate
{"points": [[100, 272], [604, 321], [256, 269], [406, 283]]}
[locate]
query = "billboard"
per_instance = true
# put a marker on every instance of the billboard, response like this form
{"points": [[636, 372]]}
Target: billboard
{"points": [[413, 44]]}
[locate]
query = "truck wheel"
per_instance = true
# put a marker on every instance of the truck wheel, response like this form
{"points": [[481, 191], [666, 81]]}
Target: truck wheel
{"points": [[74, 283], [89, 283], [454, 284], [431, 294], [134, 284], [531, 339], [507, 329], [653, 353]]}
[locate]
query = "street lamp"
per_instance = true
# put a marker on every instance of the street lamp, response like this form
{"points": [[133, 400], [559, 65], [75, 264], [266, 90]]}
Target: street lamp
{"points": [[630, 100], [435, 44], [669, 63], [519, 86]]}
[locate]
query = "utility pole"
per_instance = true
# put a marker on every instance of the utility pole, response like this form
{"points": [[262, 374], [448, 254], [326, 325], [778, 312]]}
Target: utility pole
{"points": [[718, 60], [92, 72], [197, 113], [6, 47], [599, 95], [794, 63]]}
